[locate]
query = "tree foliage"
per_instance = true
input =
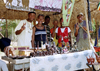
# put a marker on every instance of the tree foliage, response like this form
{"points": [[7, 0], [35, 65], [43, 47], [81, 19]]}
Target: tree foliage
{"points": [[11, 24]]}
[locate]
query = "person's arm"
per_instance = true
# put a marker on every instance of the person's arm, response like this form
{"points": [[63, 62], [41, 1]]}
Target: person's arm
{"points": [[46, 34], [33, 37], [22, 28], [53, 33], [76, 30], [56, 32]]}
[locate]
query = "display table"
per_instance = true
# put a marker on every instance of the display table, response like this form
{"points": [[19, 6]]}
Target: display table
{"points": [[61, 62], [18, 63]]}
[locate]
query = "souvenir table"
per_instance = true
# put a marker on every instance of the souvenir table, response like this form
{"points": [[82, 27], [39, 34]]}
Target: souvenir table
{"points": [[61, 62], [18, 63]]}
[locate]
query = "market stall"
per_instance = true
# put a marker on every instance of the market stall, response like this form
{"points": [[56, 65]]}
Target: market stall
{"points": [[42, 60], [70, 61]]}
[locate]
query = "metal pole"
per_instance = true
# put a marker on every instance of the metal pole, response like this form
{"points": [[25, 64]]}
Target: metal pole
{"points": [[89, 15], [89, 12]]}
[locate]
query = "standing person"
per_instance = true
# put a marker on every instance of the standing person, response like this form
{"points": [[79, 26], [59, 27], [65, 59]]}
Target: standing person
{"points": [[24, 30], [47, 21], [81, 34], [39, 32], [52, 31], [63, 35]]}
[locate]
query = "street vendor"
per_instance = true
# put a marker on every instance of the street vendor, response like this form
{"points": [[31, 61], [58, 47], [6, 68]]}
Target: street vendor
{"points": [[63, 35], [81, 34], [39, 33], [46, 24], [52, 31], [24, 30]]}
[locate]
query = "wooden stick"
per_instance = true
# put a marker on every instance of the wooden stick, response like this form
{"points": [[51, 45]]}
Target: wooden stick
{"points": [[82, 28], [87, 26], [1, 35], [86, 32]]}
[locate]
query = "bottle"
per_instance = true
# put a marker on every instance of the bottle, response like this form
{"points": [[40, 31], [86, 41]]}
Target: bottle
{"points": [[41, 42]]}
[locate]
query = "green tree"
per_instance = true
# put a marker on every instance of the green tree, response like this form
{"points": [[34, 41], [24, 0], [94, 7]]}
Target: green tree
{"points": [[10, 24]]}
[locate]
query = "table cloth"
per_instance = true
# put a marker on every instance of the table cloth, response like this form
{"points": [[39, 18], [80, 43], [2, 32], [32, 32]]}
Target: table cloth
{"points": [[61, 62]]}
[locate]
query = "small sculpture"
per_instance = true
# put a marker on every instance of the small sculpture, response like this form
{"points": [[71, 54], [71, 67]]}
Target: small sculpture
{"points": [[97, 57], [90, 60]]}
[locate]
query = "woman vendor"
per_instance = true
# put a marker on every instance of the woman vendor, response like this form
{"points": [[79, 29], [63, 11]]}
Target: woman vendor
{"points": [[63, 35], [39, 33]]}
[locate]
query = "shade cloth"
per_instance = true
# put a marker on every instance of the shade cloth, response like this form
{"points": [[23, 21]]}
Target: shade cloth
{"points": [[44, 5]]}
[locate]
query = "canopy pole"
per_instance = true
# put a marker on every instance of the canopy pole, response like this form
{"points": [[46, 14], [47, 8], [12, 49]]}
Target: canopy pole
{"points": [[6, 35], [85, 8], [97, 31]]}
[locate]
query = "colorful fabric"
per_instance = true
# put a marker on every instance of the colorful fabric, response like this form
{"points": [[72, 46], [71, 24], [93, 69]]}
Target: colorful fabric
{"points": [[98, 6], [63, 44], [62, 34], [48, 5], [44, 5]]}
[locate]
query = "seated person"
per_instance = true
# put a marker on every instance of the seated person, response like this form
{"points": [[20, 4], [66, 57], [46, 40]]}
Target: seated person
{"points": [[4, 45], [39, 32], [63, 35]]}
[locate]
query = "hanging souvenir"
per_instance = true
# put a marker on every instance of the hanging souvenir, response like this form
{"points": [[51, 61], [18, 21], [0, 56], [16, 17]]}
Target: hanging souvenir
{"points": [[98, 6]]}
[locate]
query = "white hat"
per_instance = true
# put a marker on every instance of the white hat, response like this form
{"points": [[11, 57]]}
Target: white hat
{"points": [[80, 14]]}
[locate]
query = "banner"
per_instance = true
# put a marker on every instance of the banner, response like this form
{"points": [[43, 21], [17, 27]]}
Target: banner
{"points": [[44, 5], [67, 11]]}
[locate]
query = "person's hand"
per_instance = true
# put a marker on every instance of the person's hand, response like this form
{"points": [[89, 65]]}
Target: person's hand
{"points": [[77, 27], [65, 37], [23, 27]]}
